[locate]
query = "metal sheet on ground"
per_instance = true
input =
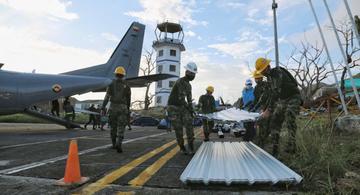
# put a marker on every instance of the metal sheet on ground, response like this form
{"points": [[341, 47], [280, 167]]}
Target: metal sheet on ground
{"points": [[236, 162]]}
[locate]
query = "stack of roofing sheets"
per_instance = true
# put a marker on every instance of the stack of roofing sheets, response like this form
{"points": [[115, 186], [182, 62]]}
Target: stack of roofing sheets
{"points": [[236, 162], [232, 114]]}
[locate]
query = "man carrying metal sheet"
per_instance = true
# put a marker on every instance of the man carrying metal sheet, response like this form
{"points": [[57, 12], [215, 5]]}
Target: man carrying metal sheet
{"points": [[284, 103], [261, 93], [180, 108], [207, 106]]}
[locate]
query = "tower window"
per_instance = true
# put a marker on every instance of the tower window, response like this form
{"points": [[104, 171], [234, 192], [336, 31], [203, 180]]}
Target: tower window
{"points": [[158, 99], [172, 68], [172, 52], [161, 53], [171, 84], [160, 69], [159, 84]]}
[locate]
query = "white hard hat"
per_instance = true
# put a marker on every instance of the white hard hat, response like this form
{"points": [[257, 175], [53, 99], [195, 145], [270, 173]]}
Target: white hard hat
{"points": [[191, 66]]}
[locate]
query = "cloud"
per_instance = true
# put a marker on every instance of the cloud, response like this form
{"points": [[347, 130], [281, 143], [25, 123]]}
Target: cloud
{"points": [[312, 34], [110, 37], [250, 43], [54, 9], [190, 33], [25, 51], [173, 10], [226, 77], [253, 12], [260, 12], [233, 5]]}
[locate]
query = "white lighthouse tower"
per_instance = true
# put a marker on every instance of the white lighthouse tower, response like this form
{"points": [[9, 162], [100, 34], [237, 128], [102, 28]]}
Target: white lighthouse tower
{"points": [[168, 47]]}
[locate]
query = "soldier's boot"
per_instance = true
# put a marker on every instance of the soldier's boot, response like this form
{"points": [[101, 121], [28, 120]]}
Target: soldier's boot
{"points": [[113, 141], [183, 149], [118, 145], [191, 148], [206, 139]]}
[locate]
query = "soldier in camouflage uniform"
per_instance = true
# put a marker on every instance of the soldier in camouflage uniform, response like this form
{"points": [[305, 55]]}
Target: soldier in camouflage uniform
{"points": [[119, 94], [284, 103], [261, 93], [180, 108], [207, 106]]}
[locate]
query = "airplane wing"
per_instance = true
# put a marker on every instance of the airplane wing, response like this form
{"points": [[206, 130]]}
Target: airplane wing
{"points": [[86, 112], [143, 80]]}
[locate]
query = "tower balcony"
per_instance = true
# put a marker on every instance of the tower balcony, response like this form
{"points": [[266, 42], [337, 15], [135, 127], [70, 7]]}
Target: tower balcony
{"points": [[169, 42]]}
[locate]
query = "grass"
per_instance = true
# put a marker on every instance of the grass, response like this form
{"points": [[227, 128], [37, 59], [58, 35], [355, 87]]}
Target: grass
{"points": [[24, 118], [328, 161]]}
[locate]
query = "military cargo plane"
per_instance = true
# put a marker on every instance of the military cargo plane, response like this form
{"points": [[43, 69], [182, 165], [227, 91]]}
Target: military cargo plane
{"points": [[19, 91]]}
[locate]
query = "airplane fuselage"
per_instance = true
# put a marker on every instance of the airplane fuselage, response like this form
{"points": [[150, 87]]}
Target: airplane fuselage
{"points": [[18, 91]]}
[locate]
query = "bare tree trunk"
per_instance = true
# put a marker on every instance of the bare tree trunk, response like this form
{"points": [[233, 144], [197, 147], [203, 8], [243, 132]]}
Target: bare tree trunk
{"points": [[147, 98], [342, 82]]}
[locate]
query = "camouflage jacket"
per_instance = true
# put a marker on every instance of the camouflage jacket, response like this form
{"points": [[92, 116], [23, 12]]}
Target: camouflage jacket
{"points": [[282, 84], [261, 93], [118, 92], [181, 94], [207, 104]]}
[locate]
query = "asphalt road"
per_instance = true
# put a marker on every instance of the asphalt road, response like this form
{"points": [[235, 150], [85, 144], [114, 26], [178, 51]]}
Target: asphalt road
{"points": [[33, 157]]}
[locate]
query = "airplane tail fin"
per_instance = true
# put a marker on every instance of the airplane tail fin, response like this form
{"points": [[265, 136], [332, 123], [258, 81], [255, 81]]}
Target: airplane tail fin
{"points": [[126, 54]]}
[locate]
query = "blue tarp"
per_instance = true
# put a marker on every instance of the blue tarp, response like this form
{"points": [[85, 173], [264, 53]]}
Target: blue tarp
{"points": [[349, 86]]}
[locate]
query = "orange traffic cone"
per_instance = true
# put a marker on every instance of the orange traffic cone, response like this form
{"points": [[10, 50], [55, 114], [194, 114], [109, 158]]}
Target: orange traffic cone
{"points": [[72, 170]]}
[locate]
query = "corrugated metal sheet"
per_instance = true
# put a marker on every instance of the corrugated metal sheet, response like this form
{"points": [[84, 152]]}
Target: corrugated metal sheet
{"points": [[232, 114], [236, 162]]}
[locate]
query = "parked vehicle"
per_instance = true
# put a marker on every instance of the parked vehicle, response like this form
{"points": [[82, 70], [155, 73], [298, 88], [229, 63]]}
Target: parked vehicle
{"points": [[163, 124], [145, 121]]}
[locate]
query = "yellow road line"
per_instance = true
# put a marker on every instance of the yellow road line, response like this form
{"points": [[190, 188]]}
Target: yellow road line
{"points": [[126, 193], [144, 176], [103, 182], [141, 179]]}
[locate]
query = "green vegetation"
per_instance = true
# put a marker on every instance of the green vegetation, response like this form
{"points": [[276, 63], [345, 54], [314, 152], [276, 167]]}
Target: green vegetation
{"points": [[328, 161], [21, 118], [156, 112], [24, 118]]}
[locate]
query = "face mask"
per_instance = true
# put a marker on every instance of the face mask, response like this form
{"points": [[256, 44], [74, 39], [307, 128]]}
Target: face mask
{"points": [[120, 77], [190, 77], [248, 86]]}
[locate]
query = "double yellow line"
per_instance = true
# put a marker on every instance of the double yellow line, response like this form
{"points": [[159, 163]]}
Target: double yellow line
{"points": [[143, 177]]}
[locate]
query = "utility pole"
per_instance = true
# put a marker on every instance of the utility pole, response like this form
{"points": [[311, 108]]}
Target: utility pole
{"points": [[329, 58], [274, 7], [343, 54]]}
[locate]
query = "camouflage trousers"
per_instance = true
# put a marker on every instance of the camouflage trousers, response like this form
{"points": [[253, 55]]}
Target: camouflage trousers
{"points": [[118, 118], [208, 125], [180, 117], [263, 131], [285, 112]]}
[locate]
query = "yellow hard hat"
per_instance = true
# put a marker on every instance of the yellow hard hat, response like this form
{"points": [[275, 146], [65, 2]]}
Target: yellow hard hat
{"points": [[257, 75], [261, 64], [210, 89], [120, 70]]}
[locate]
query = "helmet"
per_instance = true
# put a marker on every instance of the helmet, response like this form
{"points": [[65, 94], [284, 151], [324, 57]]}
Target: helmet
{"points": [[120, 70], [210, 89], [257, 75], [261, 64], [248, 82], [191, 66]]}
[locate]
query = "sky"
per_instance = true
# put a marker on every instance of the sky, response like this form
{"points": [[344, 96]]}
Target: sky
{"points": [[224, 37]]}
